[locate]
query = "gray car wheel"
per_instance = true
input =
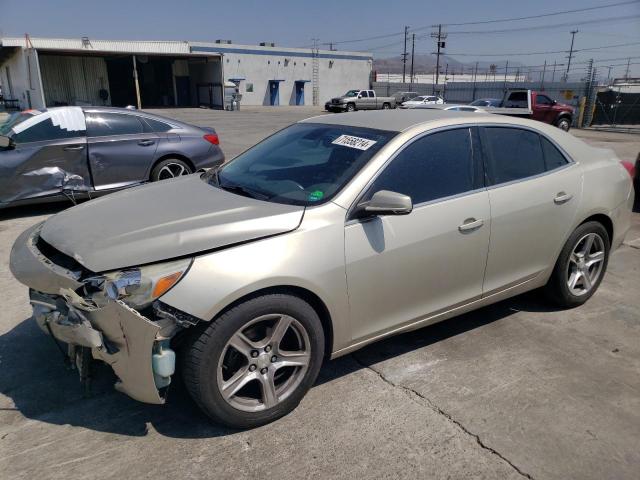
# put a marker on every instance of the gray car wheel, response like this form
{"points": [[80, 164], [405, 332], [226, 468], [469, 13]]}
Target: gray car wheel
{"points": [[351, 107], [255, 362], [580, 266], [170, 168]]}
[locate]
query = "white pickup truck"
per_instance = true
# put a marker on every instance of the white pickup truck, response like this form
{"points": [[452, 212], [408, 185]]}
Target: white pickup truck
{"points": [[359, 100]]}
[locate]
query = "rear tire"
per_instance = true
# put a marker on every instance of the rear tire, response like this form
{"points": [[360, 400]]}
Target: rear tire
{"points": [[386, 106], [254, 363], [564, 124], [580, 267], [170, 168]]}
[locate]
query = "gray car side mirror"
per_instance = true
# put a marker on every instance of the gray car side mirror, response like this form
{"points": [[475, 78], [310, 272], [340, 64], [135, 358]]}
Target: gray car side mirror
{"points": [[5, 142], [385, 202]]}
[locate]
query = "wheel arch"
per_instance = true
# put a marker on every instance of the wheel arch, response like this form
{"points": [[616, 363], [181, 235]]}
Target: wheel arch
{"points": [[167, 156], [602, 219], [303, 293]]}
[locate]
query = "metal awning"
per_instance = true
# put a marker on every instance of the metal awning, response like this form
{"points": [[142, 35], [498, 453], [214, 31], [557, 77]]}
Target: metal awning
{"points": [[302, 81]]}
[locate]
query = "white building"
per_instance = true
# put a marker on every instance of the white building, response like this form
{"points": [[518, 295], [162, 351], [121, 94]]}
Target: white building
{"points": [[45, 72]]}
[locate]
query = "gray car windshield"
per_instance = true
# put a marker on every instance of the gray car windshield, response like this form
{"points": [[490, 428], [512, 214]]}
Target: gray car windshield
{"points": [[304, 164], [351, 93]]}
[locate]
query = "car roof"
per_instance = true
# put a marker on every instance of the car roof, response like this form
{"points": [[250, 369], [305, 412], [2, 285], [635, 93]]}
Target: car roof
{"points": [[171, 121], [396, 120]]}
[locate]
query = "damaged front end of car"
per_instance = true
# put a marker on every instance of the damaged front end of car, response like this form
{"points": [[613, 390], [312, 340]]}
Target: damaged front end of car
{"points": [[116, 316]]}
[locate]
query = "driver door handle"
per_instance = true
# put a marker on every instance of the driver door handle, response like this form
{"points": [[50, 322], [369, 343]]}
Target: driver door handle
{"points": [[73, 147], [146, 143], [562, 198], [470, 224]]}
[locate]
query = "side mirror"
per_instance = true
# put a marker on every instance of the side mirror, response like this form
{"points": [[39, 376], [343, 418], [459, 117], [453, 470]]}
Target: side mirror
{"points": [[359, 95], [6, 142], [385, 202]]}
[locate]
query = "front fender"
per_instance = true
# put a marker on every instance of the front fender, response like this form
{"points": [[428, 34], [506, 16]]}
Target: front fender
{"points": [[311, 258]]}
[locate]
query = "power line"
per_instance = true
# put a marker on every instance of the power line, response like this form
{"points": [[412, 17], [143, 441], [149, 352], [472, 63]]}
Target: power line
{"points": [[540, 53], [398, 34], [545, 27], [563, 12]]}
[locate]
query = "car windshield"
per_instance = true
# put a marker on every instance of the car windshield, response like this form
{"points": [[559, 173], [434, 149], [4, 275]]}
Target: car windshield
{"points": [[13, 120], [480, 103], [304, 164], [351, 93]]}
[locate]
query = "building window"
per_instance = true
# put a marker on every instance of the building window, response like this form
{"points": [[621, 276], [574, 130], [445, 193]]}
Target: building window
{"points": [[249, 87]]}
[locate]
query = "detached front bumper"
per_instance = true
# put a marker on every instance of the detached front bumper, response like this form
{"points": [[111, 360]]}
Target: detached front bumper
{"points": [[129, 342]]}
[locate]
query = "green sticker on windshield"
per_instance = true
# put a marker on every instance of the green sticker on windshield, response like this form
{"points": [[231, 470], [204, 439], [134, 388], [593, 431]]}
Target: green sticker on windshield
{"points": [[316, 195]]}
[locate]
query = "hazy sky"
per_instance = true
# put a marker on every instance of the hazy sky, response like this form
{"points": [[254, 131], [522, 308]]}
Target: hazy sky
{"points": [[295, 23]]}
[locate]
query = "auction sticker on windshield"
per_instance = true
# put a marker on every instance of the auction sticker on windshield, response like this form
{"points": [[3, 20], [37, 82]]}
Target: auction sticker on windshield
{"points": [[354, 142]]}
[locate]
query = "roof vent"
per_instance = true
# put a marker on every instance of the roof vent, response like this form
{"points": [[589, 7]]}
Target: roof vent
{"points": [[267, 44], [226, 42], [86, 43]]}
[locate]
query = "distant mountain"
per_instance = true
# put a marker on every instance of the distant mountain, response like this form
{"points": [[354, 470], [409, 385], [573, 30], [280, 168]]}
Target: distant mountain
{"points": [[426, 63]]}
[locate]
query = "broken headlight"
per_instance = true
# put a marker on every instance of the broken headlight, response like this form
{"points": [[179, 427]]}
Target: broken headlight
{"points": [[139, 286]]}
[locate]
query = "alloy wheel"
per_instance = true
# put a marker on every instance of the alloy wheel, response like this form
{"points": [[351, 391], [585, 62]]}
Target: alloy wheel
{"points": [[172, 170], [263, 362], [585, 264]]}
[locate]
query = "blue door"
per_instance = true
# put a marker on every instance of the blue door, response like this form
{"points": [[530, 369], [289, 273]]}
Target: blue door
{"points": [[274, 92], [299, 93]]}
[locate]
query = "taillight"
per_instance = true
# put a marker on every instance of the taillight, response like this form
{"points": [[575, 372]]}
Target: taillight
{"points": [[212, 138], [631, 168]]}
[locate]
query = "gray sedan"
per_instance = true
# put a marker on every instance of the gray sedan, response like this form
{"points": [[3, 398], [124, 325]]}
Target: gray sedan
{"points": [[331, 234], [74, 152]]}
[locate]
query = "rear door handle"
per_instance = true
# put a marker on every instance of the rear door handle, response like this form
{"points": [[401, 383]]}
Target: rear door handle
{"points": [[73, 147], [470, 224], [146, 143], [562, 198]]}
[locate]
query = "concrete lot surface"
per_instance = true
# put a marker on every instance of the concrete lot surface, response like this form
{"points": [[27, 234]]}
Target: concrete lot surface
{"points": [[515, 390]]}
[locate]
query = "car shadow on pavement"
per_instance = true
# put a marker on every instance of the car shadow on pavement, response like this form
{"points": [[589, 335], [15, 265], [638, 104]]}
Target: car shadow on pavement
{"points": [[41, 388], [26, 211]]}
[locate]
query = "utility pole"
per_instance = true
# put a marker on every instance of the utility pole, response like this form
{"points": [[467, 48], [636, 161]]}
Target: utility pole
{"points": [[475, 76], [440, 37], [544, 70], [626, 73], [573, 36], [413, 51], [609, 74], [404, 55], [553, 75], [136, 83]]}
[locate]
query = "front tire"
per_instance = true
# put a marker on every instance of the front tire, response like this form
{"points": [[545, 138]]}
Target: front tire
{"points": [[581, 266], [351, 107], [564, 124], [254, 363]]}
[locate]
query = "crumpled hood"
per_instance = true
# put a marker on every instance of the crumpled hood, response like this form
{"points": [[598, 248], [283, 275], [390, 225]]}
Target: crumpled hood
{"points": [[163, 220]]}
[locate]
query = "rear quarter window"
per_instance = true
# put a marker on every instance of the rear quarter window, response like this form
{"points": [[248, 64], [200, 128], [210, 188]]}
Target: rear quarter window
{"points": [[156, 125], [553, 158]]}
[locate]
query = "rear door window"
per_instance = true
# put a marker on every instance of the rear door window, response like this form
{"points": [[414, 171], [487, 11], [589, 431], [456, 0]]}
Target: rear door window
{"points": [[513, 154], [435, 166], [102, 124]]}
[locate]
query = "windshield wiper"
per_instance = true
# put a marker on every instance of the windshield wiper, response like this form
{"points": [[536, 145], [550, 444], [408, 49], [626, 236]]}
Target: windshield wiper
{"points": [[242, 190]]}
